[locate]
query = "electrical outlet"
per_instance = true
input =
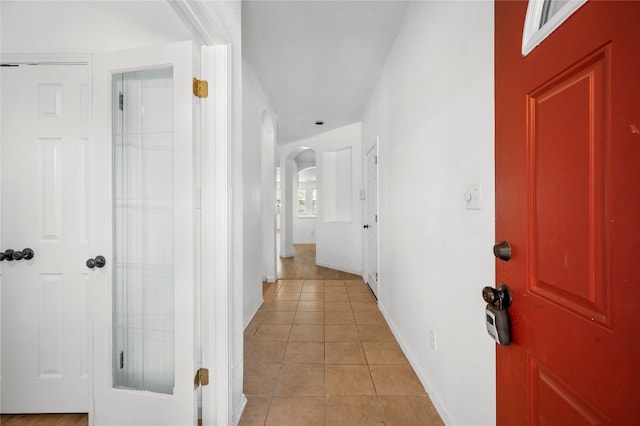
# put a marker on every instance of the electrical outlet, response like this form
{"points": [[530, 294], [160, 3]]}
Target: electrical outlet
{"points": [[432, 340]]}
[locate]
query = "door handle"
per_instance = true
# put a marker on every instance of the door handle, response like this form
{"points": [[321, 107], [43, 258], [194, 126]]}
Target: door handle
{"points": [[97, 262], [497, 317], [25, 254], [502, 251], [10, 254], [502, 295], [7, 255]]}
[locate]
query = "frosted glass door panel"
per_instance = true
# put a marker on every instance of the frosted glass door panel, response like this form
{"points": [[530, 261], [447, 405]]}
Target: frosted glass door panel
{"points": [[143, 310]]}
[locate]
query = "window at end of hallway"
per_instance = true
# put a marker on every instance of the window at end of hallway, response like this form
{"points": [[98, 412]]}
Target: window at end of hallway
{"points": [[315, 203], [302, 194]]}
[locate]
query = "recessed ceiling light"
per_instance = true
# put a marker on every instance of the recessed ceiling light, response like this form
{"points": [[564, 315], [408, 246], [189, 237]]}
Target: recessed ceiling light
{"points": [[319, 123]]}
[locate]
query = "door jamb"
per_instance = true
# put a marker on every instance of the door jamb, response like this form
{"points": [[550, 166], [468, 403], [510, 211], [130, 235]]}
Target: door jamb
{"points": [[216, 225]]}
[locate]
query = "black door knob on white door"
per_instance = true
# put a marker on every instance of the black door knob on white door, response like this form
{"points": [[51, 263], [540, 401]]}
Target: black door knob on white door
{"points": [[97, 262], [10, 255]]}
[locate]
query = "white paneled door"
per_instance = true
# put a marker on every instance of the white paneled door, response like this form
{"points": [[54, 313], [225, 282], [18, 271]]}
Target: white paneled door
{"points": [[145, 316], [372, 219], [46, 299]]}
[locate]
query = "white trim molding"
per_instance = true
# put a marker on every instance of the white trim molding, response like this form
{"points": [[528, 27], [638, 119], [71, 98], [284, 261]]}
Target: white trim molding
{"points": [[216, 241], [203, 26], [216, 226]]}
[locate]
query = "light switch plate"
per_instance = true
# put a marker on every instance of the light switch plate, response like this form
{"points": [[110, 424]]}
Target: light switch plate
{"points": [[472, 196]]}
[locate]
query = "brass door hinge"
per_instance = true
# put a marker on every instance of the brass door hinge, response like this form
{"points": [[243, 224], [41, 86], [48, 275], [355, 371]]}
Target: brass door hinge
{"points": [[200, 88], [202, 377]]}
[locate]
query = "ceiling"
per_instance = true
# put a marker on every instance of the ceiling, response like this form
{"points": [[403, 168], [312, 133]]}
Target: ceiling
{"points": [[86, 26], [318, 60]]}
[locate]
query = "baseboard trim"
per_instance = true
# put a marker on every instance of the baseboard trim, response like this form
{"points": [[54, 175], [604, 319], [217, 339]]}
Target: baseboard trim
{"points": [[433, 395], [237, 413], [270, 280], [253, 314], [340, 268]]}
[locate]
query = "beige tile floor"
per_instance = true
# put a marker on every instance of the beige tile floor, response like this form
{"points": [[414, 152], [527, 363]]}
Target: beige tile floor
{"points": [[319, 352], [303, 265]]}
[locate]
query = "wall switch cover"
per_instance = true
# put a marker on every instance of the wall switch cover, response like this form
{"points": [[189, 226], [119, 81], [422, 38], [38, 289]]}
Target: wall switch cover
{"points": [[472, 196]]}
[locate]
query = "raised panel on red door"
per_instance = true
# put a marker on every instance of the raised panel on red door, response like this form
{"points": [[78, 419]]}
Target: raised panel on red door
{"points": [[567, 148]]}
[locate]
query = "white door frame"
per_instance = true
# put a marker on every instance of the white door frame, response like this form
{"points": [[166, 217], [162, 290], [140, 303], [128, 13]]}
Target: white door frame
{"points": [[216, 224]]}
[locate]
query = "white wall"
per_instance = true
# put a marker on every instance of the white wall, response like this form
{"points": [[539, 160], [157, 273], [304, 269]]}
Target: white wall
{"points": [[433, 111], [254, 105], [304, 230], [269, 214], [338, 244]]}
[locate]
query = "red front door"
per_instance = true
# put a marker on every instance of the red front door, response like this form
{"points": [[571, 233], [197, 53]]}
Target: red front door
{"points": [[568, 202]]}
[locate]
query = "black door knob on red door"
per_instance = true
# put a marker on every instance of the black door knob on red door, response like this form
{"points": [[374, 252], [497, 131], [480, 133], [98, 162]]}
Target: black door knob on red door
{"points": [[500, 296], [502, 251], [97, 262]]}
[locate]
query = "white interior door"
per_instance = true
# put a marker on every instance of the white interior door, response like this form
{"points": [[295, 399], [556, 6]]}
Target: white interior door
{"points": [[372, 219], [144, 228], [46, 309]]}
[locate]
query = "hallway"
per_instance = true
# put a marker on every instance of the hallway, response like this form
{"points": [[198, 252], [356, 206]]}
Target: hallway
{"points": [[303, 266], [319, 352]]}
